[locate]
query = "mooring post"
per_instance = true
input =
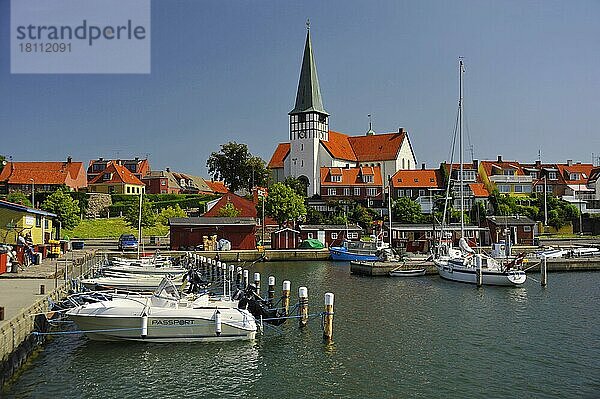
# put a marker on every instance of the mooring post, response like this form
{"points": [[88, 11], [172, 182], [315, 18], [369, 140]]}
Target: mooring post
{"points": [[271, 291], [42, 289], [285, 296], [214, 270], [231, 276], [544, 272], [219, 270], [257, 282], [328, 317], [303, 306], [246, 279]]}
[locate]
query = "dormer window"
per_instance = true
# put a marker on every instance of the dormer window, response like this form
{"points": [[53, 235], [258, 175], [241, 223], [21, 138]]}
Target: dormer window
{"points": [[552, 175], [336, 178], [107, 176], [416, 180], [367, 178], [573, 176]]}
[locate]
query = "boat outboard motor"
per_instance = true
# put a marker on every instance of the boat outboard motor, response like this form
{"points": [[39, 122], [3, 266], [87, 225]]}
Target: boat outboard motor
{"points": [[258, 307], [196, 283]]}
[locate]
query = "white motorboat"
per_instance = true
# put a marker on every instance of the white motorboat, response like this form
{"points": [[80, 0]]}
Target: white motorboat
{"points": [[126, 282], [463, 264], [149, 269], [164, 317]]}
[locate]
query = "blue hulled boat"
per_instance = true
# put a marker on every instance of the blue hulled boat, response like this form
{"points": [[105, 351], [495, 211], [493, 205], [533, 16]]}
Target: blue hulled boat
{"points": [[358, 251]]}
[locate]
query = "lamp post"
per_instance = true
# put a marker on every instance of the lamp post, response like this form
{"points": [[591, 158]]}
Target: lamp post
{"points": [[32, 192]]}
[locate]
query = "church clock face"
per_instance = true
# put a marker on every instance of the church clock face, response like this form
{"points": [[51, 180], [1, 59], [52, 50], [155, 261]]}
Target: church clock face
{"points": [[301, 135]]}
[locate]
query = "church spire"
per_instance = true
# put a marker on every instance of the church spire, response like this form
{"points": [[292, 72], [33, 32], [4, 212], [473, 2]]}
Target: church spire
{"points": [[308, 97]]}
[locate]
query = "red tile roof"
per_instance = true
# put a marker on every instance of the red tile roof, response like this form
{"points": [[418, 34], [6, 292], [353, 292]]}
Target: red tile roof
{"points": [[351, 176], [584, 170], [376, 147], [281, 152], [246, 207], [339, 146], [217, 186], [479, 190], [71, 174], [425, 178], [119, 175]]}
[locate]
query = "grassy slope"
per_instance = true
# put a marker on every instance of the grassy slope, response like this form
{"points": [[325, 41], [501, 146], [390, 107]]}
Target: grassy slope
{"points": [[113, 227]]}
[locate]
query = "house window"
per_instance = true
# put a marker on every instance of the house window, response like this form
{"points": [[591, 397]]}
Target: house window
{"points": [[347, 191], [367, 178], [421, 192], [352, 235], [356, 191], [106, 176], [111, 189], [504, 188], [527, 229], [310, 236], [518, 189], [336, 178], [163, 182], [428, 234], [552, 175], [371, 192], [331, 191], [334, 236], [539, 188], [128, 190], [548, 189], [46, 224], [38, 221], [400, 192]]}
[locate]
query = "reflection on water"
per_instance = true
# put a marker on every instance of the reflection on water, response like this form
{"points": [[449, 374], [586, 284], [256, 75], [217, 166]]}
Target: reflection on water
{"points": [[403, 337]]}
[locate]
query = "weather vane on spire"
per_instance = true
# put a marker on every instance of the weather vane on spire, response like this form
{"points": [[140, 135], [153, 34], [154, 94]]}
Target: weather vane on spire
{"points": [[307, 23]]}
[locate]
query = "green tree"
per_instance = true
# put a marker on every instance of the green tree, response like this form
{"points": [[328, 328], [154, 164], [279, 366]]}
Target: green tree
{"points": [[133, 213], [229, 210], [406, 210], [313, 216], [237, 167], [65, 207], [17, 197], [362, 216], [284, 204], [170, 212], [296, 184]]}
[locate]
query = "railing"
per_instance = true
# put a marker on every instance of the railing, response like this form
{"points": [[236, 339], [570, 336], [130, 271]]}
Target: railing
{"points": [[511, 179]]}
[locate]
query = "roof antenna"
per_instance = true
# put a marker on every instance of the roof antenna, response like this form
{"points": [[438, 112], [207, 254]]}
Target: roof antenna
{"points": [[307, 24], [540, 155]]}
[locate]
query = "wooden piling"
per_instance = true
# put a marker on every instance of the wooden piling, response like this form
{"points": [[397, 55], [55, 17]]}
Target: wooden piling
{"points": [[271, 291], [328, 317], [257, 282], [544, 272], [303, 306], [285, 296]]}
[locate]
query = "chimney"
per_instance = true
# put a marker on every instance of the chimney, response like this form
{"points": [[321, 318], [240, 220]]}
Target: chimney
{"points": [[569, 162], [423, 166], [400, 130], [538, 164], [100, 159], [137, 158], [168, 169], [476, 164], [69, 159], [499, 158]]}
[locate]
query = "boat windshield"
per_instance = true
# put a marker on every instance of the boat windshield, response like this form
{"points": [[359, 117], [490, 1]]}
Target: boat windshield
{"points": [[368, 245], [167, 290]]}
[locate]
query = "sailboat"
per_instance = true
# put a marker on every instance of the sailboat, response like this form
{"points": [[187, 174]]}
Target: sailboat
{"points": [[463, 264]]}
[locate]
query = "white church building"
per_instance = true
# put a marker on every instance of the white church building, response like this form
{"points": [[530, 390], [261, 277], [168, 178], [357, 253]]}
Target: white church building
{"points": [[312, 146]]}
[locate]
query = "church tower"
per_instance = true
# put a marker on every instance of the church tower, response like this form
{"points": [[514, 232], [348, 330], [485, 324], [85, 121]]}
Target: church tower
{"points": [[309, 123]]}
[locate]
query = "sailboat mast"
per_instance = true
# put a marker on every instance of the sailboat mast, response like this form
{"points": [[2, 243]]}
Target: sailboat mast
{"points": [[460, 141], [390, 208]]}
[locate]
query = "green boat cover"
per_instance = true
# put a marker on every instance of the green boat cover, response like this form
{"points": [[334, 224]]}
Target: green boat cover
{"points": [[311, 243]]}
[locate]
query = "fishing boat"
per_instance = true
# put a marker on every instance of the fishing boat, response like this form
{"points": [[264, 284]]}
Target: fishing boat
{"points": [[165, 317], [358, 250], [462, 264]]}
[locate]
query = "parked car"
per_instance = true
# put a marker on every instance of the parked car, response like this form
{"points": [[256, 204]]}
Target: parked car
{"points": [[127, 241]]}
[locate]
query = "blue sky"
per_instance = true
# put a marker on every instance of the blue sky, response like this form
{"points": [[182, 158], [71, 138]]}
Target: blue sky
{"points": [[228, 70]]}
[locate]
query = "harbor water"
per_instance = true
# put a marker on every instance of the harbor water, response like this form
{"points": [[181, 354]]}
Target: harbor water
{"points": [[393, 337]]}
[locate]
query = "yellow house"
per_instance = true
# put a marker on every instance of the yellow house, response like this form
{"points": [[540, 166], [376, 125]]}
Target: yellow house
{"points": [[116, 179], [18, 219]]}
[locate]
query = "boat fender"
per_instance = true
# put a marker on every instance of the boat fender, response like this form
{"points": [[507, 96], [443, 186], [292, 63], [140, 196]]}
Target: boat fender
{"points": [[144, 325], [218, 326]]}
